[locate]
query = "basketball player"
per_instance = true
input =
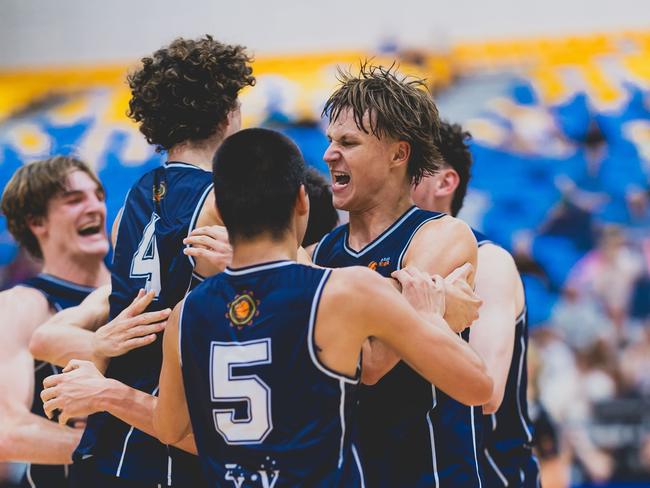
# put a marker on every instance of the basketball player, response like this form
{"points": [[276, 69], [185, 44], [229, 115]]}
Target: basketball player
{"points": [[500, 335], [380, 132], [263, 358], [185, 99], [55, 209]]}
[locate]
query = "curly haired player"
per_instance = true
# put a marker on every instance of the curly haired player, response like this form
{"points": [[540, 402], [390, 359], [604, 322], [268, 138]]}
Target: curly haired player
{"points": [[185, 100]]}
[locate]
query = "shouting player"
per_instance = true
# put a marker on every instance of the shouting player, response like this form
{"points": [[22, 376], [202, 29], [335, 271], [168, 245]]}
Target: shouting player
{"points": [[500, 335], [263, 358], [381, 143], [185, 98]]}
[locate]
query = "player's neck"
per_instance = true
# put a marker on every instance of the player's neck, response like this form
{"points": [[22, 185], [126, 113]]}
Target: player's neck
{"points": [[366, 225], [263, 249], [89, 272], [198, 154]]}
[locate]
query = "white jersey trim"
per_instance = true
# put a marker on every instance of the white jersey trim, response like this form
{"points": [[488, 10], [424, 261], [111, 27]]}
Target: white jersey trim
{"points": [[311, 339], [126, 442], [392, 228], [478, 474], [358, 461], [255, 269], [495, 467], [342, 417], [195, 217], [408, 243], [434, 460], [180, 331], [519, 375]]}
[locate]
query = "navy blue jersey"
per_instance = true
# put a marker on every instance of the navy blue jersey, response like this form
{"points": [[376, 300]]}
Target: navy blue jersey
{"points": [[60, 294], [507, 442], [411, 434], [160, 210], [264, 410]]}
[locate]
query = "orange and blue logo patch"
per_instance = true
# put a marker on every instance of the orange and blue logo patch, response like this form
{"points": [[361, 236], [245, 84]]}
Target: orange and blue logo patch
{"points": [[383, 262], [159, 191], [242, 310]]}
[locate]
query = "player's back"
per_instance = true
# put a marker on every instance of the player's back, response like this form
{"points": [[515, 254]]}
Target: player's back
{"points": [[159, 212], [507, 442], [60, 294], [410, 433], [264, 411]]}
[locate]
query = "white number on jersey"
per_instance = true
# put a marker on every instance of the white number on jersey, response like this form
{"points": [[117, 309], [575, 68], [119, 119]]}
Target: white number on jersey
{"points": [[146, 260], [228, 386]]}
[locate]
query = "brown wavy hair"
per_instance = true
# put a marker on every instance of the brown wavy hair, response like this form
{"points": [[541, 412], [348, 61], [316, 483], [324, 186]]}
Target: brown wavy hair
{"points": [[29, 191], [184, 91], [398, 107]]}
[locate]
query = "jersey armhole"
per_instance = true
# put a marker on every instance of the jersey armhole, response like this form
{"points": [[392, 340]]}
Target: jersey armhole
{"points": [[311, 339], [415, 231], [190, 228]]}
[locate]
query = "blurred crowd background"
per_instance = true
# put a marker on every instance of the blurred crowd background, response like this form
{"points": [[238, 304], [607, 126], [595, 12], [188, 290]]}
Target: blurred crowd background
{"points": [[561, 178]]}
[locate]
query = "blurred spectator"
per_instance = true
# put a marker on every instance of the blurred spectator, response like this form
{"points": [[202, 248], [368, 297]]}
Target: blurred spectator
{"points": [[607, 276]]}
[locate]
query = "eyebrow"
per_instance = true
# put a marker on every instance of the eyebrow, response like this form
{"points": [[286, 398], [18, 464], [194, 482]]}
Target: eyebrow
{"points": [[71, 193]]}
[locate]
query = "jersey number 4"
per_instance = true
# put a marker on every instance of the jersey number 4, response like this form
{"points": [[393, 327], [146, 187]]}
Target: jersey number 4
{"points": [[146, 260], [244, 416]]}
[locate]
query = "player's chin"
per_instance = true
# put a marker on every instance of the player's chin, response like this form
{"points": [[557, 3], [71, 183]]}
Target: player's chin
{"points": [[98, 248]]}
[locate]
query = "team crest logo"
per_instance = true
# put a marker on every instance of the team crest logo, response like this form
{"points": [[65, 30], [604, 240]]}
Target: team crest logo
{"points": [[159, 191], [242, 310], [372, 265]]}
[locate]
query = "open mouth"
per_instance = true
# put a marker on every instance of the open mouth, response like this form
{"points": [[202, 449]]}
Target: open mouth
{"points": [[89, 230], [340, 179]]}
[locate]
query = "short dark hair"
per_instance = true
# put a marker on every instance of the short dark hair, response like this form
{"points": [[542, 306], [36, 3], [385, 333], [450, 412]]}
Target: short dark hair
{"points": [[184, 91], [452, 143], [29, 191], [323, 217], [398, 107], [257, 175]]}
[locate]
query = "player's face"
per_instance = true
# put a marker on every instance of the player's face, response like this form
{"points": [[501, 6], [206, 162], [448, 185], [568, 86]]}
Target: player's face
{"points": [[359, 163], [76, 219]]}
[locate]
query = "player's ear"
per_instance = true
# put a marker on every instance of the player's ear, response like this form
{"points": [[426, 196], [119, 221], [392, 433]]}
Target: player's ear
{"points": [[302, 201], [401, 153], [38, 225], [446, 182]]}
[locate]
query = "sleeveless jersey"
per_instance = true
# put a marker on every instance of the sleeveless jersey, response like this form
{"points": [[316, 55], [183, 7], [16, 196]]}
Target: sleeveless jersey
{"points": [[264, 410], [507, 442], [410, 433], [60, 294], [160, 210]]}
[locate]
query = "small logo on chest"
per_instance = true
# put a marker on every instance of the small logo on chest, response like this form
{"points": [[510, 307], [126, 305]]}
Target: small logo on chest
{"points": [[242, 310], [382, 263]]}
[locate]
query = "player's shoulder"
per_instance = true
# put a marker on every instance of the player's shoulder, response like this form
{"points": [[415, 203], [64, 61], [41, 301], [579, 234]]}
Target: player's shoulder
{"points": [[494, 256], [23, 308], [350, 282], [451, 228]]}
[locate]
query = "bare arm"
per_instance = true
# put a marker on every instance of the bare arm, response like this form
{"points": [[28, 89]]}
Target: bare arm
{"points": [[63, 337], [69, 333], [438, 248], [360, 296], [171, 417], [24, 436], [82, 390], [205, 262], [492, 335]]}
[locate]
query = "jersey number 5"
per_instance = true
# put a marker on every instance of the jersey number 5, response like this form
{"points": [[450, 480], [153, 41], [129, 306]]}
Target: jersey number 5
{"points": [[146, 260], [245, 414]]}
